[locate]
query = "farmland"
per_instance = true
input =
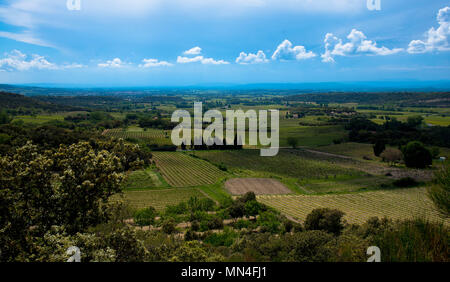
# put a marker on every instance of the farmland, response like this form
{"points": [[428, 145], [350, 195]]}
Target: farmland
{"points": [[181, 170], [143, 179], [259, 186], [288, 163], [150, 135], [158, 199], [358, 207]]}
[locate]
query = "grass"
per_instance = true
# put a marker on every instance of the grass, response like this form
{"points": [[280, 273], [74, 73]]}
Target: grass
{"points": [[358, 207], [159, 199], [144, 179], [39, 119], [181, 170], [311, 136], [344, 184], [350, 149]]}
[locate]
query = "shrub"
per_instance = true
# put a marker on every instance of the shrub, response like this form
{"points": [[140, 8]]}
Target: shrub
{"points": [[249, 196], [241, 223], [222, 167], [215, 223], [405, 182], [226, 238], [415, 240], [379, 147], [391, 155], [145, 216], [169, 226], [252, 208], [292, 141], [269, 222], [308, 246], [439, 192], [416, 155], [325, 219], [237, 209], [180, 208]]}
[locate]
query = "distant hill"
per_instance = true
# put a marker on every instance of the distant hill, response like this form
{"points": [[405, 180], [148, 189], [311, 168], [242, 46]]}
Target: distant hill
{"points": [[16, 101], [434, 99]]}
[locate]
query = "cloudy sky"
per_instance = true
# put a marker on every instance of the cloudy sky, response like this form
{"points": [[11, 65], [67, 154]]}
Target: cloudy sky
{"points": [[191, 42]]}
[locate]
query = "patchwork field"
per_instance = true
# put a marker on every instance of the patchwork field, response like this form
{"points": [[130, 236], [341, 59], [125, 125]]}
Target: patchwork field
{"points": [[260, 186], [358, 207], [150, 135], [159, 199], [181, 170], [287, 163]]}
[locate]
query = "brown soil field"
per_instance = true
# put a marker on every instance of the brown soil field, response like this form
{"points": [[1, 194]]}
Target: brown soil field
{"points": [[260, 186]]}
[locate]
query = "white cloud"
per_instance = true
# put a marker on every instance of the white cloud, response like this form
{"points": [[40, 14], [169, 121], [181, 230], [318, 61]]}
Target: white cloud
{"points": [[437, 39], [193, 51], [16, 60], [203, 60], [148, 63], [114, 63], [285, 51], [357, 45], [250, 58]]}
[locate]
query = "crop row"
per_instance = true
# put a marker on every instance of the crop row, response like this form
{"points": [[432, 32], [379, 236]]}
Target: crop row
{"points": [[358, 207], [181, 170]]}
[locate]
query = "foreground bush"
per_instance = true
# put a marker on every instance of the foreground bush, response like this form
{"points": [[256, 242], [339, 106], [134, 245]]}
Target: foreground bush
{"points": [[415, 240], [440, 191], [325, 219]]}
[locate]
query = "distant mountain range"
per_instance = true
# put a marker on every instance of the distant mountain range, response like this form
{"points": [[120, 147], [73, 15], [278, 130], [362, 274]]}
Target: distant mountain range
{"points": [[319, 87]]}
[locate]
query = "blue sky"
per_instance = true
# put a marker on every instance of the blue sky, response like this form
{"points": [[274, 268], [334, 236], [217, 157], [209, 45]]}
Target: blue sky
{"points": [[191, 42]]}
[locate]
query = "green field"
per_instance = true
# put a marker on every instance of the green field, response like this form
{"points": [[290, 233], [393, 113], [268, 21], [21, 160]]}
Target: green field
{"points": [[350, 149], [150, 135], [39, 119], [158, 199], [143, 179], [358, 207], [288, 163], [181, 170], [310, 136]]}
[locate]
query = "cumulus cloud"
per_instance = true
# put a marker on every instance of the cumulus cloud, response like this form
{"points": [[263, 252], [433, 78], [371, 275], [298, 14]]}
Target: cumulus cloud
{"points": [[436, 39], [250, 58], [285, 51], [114, 63], [203, 60], [18, 61], [193, 51], [148, 63], [357, 45]]}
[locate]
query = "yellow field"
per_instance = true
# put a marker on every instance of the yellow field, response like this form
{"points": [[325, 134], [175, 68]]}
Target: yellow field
{"points": [[358, 207]]}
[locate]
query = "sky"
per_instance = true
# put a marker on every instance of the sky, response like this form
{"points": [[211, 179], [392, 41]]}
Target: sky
{"points": [[195, 42]]}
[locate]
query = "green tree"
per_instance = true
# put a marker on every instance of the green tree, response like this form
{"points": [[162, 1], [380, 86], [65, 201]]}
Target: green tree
{"points": [[329, 220], [293, 142], [67, 187], [416, 155], [4, 117], [145, 216], [414, 121], [379, 147]]}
